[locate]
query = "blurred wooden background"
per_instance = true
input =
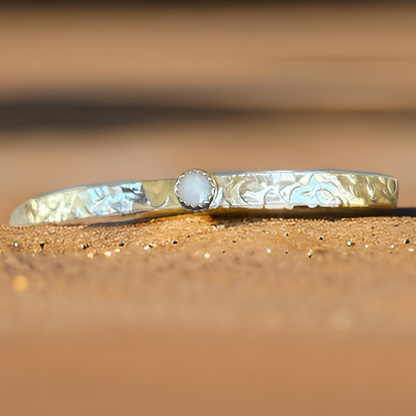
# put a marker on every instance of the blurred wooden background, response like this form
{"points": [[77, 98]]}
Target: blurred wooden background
{"points": [[92, 94]]}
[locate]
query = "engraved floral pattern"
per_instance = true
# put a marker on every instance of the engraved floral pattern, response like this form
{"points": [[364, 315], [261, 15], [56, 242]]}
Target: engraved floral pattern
{"points": [[325, 189], [270, 189]]}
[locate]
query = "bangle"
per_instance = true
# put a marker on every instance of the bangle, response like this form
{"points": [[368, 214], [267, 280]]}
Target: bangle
{"points": [[265, 192]]}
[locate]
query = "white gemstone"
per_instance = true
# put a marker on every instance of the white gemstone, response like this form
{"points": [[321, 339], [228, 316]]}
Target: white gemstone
{"points": [[194, 189]]}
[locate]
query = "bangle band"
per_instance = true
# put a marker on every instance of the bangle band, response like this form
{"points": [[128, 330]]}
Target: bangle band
{"points": [[195, 190]]}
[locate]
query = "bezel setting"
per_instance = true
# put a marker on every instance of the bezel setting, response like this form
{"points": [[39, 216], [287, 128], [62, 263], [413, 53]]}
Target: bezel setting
{"points": [[206, 202]]}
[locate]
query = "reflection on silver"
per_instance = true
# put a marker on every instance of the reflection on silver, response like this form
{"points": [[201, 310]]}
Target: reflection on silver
{"points": [[267, 190]]}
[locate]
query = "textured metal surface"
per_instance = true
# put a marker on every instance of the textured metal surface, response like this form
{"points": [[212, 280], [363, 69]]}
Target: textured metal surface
{"points": [[267, 190]]}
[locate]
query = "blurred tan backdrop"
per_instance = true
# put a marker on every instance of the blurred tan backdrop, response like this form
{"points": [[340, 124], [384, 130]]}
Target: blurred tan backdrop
{"points": [[100, 94]]}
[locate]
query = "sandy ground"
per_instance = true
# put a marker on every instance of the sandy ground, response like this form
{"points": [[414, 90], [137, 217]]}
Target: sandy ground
{"points": [[343, 274], [195, 315]]}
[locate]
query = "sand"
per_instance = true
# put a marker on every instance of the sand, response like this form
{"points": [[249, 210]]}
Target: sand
{"points": [[200, 315], [298, 274]]}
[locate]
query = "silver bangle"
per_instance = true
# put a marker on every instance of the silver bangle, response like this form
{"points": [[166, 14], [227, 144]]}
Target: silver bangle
{"points": [[266, 192]]}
